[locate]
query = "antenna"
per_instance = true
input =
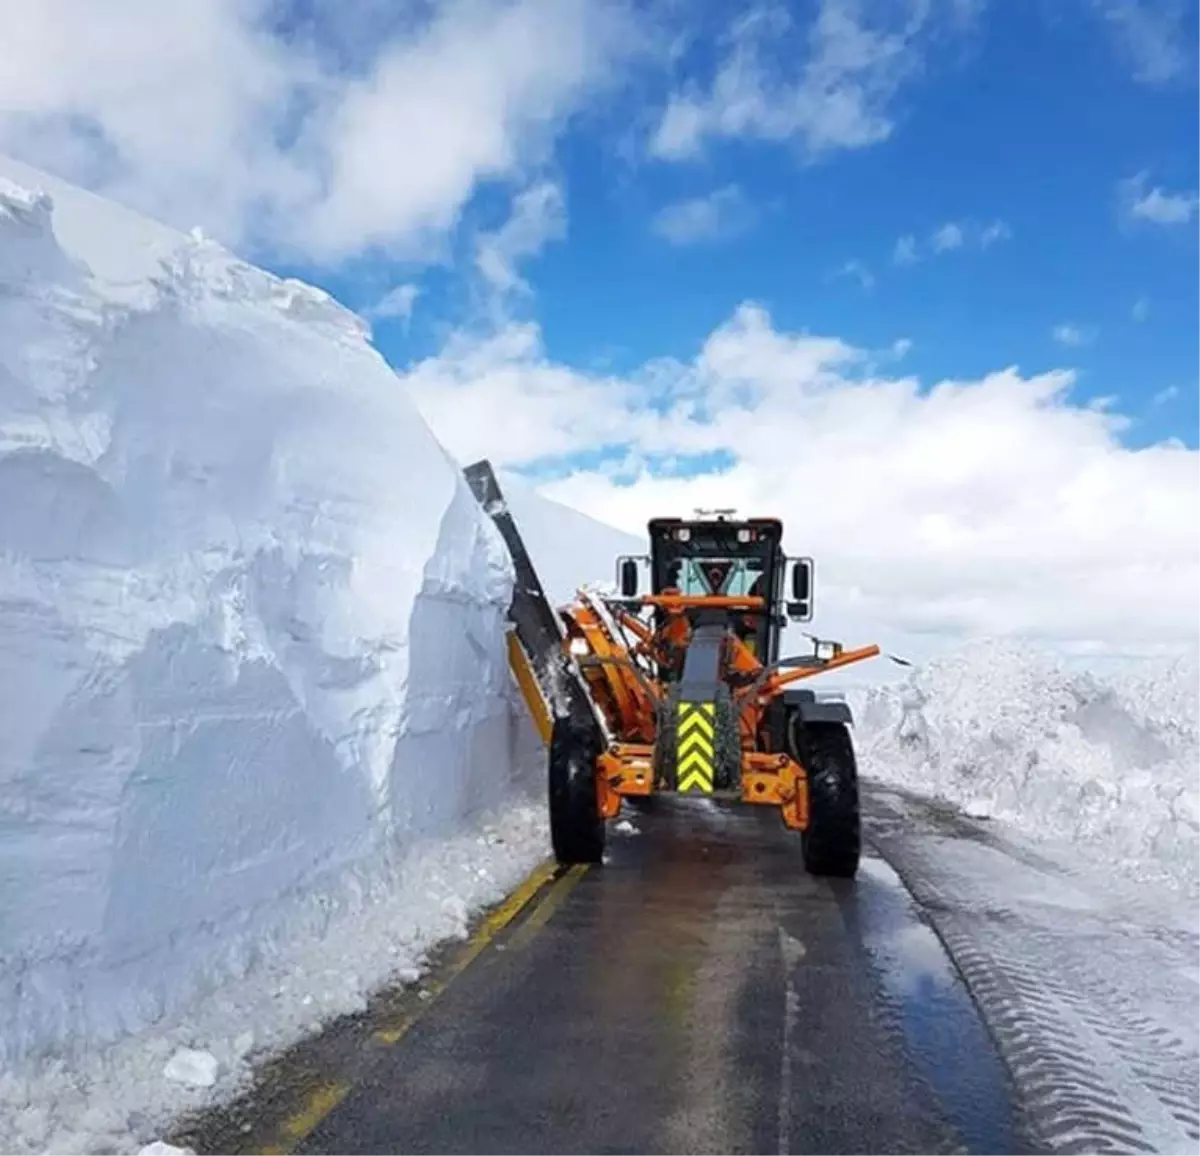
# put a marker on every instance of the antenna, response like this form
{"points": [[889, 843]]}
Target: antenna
{"points": [[720, 514]]}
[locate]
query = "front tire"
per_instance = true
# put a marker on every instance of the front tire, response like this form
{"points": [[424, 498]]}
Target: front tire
{"points": [[832, 844], [577, 829]]}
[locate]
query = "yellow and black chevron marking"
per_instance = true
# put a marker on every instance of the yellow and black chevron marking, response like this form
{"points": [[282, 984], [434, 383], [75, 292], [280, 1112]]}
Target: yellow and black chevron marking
{"points": [[694, 746]]}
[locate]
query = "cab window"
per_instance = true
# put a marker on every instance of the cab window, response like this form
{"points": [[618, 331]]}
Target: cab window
{"points": [[734, 577]]}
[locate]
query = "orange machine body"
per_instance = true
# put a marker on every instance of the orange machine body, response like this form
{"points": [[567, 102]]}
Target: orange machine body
{"points": [[619, 653]]}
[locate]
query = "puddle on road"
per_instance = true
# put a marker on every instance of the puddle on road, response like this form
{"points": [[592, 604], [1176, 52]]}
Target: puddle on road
{"points": [[940, 1024]]}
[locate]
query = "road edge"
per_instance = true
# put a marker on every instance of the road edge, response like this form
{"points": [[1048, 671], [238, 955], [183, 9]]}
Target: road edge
{"points": [[293, 1091]]}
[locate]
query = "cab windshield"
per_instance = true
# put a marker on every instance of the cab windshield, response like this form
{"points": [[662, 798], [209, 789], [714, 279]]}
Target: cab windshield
{"points": [[733, 577]]}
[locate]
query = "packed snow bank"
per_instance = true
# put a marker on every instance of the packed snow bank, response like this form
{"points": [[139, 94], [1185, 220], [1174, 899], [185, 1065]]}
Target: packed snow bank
{"points": [[122, 1097], [251, 625], [1106, 762]]}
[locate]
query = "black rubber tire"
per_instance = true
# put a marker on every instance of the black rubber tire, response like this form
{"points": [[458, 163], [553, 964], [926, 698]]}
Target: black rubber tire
{"points": [[577, 829], [832, 845], [729, 743]]}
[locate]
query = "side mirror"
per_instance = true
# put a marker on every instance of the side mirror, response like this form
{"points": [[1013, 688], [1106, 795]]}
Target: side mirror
{"points": [[800, 606], [629, 578]]}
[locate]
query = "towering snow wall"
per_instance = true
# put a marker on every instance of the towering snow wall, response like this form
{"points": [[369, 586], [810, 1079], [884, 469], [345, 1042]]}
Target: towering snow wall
{"points": [[251, 618]]}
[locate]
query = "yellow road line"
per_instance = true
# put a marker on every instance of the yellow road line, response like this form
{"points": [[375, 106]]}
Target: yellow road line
{"points": [[487, 931], [540, 916], [321, 1101], [324, 1097]]}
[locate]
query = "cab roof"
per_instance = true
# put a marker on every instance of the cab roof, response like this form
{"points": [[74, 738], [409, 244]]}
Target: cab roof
{"points": [[656, 525]]}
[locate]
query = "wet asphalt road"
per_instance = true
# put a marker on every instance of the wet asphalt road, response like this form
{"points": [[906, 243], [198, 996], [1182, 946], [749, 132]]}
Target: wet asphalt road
{"points": [[698, 993]]}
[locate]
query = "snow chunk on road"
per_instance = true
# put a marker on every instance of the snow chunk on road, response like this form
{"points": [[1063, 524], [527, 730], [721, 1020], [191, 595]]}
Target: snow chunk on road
{"points": [[195, 1068], [1105, 762]]}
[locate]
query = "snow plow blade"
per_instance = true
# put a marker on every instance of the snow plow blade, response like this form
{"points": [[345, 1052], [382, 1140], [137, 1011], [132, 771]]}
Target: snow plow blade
{"points": [[537, 641]]}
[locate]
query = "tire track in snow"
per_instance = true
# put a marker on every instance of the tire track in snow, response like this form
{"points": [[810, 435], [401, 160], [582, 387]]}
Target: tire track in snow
{"points": [[1084, 1085], [1094, 1071]]}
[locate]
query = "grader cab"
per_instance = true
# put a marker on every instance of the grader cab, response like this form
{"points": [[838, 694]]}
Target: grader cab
{"points": [[680, 689]]}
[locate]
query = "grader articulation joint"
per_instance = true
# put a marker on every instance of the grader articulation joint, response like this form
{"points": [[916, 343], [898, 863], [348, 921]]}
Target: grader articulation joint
{"points": [[681, 689]]}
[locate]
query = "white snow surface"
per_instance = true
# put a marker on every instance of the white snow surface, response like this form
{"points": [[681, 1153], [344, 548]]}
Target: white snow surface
{"points": [[1108, 763], [261, 748], [567, 548]]}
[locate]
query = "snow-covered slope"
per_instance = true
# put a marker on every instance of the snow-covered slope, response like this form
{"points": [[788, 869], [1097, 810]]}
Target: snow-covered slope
{"points": [[251, 645], [566, 547], [1105, 762]]}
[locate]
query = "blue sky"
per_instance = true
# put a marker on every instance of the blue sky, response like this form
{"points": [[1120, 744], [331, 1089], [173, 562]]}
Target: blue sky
{"points": [[1025, 119], [657, 254]]}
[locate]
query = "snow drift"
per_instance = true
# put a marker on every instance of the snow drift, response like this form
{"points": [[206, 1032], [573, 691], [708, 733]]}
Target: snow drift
{"points": [[1108, 763], [251, 638]]}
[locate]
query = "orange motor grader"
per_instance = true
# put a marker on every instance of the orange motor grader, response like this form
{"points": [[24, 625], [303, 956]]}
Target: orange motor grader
{"points": [[681, 689]]}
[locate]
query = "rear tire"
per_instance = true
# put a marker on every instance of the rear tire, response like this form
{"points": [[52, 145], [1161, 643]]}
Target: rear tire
{"points": [[832, 845], [577, 829]]}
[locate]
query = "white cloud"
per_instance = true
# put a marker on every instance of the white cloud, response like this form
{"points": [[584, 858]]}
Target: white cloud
{"points": [[396, 304], [1151, 35], [967, 12], [1166, 208], [996, 231], [986, 506], [949, 236], [1072, 335], [1140, 310], [1170, 393], [471, 393], [537, 216], [719, 215], [838, 96], [1155, 205], [196, 114], [952, 236], [859, 272], [168, 106]]}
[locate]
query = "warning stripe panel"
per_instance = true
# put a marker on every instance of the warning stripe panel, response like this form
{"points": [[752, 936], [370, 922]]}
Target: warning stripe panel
{"points": [[695, 725], [695, 721], [692, 743]]}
